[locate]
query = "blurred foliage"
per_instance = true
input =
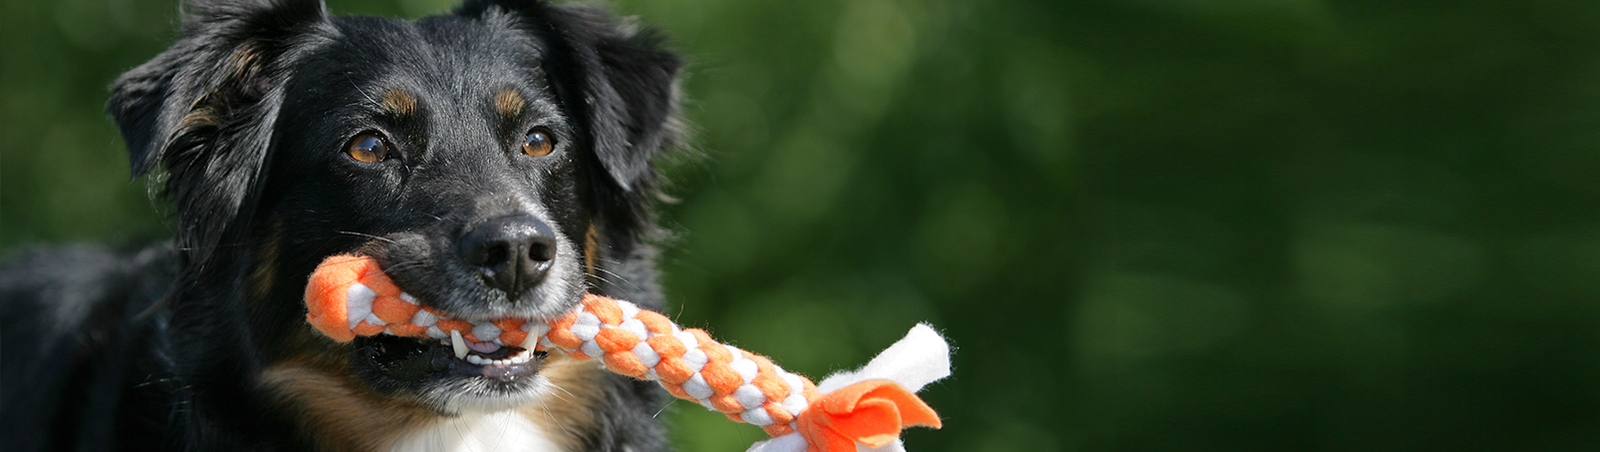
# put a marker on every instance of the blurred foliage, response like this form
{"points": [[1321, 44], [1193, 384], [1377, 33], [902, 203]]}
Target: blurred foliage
{"points": [[1147, 225]]}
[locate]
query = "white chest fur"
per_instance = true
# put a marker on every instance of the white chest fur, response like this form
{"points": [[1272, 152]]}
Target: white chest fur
{"points": [[503, 431]]}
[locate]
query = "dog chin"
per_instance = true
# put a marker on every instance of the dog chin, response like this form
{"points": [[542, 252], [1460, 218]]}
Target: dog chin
{"points": [[469, 395]]}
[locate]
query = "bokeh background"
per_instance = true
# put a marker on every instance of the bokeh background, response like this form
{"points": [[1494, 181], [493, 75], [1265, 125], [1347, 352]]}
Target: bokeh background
{"points": [[1189, 225]]}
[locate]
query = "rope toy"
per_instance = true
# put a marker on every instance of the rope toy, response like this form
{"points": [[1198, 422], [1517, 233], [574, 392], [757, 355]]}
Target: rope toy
{"points": [[864, 409]]}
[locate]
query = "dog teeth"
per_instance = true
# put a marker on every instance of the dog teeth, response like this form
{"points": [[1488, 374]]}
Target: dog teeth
{"points": [[524, 356], [531, 342], [458, 343], [519, 358]]}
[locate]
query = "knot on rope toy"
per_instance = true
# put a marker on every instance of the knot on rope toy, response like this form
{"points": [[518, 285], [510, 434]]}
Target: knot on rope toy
{"points": [[871, 412], [863, 409]]}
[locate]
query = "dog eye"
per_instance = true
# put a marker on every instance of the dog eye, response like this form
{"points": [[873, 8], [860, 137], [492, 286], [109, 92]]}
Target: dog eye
{"points": [[367, 147], [538, 143]]}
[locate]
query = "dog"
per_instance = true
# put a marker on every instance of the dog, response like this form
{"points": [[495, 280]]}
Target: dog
{"points": [[497, 161]]}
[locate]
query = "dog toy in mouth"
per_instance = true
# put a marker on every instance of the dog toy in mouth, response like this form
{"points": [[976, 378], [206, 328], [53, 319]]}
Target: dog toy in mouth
{"points": [[350, 296]]}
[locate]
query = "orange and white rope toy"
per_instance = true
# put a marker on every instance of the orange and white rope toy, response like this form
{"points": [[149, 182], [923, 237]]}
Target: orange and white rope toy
{"points": [[856, 410]]}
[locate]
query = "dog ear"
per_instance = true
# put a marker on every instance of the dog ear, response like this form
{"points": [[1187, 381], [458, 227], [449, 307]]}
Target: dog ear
{"points": [[627, 84], [203, 110], [632, 88]]}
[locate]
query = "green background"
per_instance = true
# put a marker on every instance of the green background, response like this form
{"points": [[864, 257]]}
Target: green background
{"points": [[1188, 225]]}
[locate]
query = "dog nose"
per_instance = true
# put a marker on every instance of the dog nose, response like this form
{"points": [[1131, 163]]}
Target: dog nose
{"points": [[512, 253]]}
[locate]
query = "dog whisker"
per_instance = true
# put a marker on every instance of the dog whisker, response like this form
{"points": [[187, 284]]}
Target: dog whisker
{"points": [[349, 78], [620, 280], [545, 407], [403, 266], [558, 387], [664, 408], [602, 278], [462, 435], [606, 271], [370, 236]]}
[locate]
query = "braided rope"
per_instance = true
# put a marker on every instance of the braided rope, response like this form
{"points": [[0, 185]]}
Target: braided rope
{"points": [[351, 296], [643, 344]]}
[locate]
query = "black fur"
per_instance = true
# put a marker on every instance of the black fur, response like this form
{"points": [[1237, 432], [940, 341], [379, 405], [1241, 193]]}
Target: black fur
{"points": [[243, 121]]}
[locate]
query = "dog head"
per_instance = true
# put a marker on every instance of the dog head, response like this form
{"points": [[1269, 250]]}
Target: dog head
{"points": [[494, 160]]}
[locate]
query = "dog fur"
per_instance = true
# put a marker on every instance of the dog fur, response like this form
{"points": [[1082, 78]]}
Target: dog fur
{"points": [[249, 123]]}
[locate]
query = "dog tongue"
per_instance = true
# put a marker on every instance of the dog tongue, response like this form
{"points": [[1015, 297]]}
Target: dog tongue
{"points": [[484, 347]]}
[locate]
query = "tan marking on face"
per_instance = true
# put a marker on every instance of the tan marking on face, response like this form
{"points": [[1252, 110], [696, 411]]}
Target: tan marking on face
{"points": [[337, 411], [200, 117], [201, 113], [398, 102], [591, 252], [245, 64], [508, 102], [245, 60], [566, 412]]}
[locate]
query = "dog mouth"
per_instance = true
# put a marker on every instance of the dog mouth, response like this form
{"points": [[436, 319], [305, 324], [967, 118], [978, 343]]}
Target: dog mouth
{"points": [[416, 359], [406, 346], [435, 342], [452, 374], [497, 360]]}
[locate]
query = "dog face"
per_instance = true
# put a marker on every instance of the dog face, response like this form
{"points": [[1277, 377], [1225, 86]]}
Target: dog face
{"points": [[491, 160], [446, 154]]}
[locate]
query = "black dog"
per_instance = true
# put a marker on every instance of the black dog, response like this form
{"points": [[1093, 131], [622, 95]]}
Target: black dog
{"points": [[497, 161]]}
